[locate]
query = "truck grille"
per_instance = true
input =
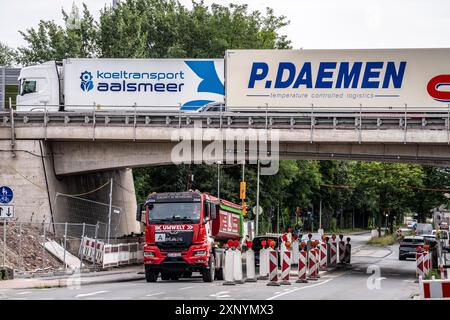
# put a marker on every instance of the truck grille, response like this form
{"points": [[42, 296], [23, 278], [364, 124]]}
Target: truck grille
{"points": [[182, 245]]}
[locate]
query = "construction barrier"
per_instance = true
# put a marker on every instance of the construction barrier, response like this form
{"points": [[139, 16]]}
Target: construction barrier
{"points": [[426, 263], [273, 268], [341, 251], [295, 252], [302, 267], [348, 252], [237, 267], [228, 272], [323, 256], [312, 264], [333, 253], [420, 271], [317, 251], [250, 265], [434, 289], [111, 255], [286, 267], [263, 264]]}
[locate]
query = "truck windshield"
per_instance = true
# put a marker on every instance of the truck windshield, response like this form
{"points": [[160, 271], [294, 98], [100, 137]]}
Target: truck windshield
{"points": [[174, 212]]}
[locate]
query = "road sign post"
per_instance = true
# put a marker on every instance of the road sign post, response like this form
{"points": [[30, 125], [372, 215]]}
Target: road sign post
{"points": [[4, 242]]}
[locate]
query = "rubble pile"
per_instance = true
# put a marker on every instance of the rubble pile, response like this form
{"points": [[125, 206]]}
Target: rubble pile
{"points": [[27, 255]]}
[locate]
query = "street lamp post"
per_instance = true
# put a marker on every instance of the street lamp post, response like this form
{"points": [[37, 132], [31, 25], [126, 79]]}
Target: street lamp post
{"points": [[385, 232]]}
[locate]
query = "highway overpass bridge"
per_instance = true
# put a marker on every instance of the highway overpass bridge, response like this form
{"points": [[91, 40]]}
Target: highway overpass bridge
{"points": [[72, 152]]}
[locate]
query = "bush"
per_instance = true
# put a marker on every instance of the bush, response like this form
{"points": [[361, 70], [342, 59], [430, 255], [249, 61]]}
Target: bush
{"points": [[383, 241], [333, 224]]}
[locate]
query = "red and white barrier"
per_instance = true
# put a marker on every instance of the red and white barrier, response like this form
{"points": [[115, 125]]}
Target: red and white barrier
{"points": [[302, 267], [273, 268], [323, 256], [250, 265], [263, 264], [312, 264], [286, 267], [228, 273], [333, 253], [434, 289], [426, 263], [420, 267], [341, 251], [111, 256]]}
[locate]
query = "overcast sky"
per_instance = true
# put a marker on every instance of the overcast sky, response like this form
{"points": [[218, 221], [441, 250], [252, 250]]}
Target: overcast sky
{"points": [[315, 24]]}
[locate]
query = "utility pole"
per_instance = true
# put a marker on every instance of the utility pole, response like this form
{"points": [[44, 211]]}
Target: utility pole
{"points": [[257, 200], [218, 178], [278, 219], [110, 208]]}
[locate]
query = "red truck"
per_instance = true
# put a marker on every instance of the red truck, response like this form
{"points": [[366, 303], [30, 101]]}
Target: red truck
{"points": [[186, 232]]}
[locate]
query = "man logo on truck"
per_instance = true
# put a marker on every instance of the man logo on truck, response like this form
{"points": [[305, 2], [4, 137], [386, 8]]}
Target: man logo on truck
{"points": [[86, 81]]}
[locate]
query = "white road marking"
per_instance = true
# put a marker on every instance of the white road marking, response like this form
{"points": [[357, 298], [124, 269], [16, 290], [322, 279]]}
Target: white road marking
{"points": [[297, 289], [154, 294], [25, 292], [221, 294], [185, 288], [89, 294]]}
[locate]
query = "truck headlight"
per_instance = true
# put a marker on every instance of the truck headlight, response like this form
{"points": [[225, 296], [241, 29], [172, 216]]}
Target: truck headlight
{"points": [[149, 254], [199, 253]]}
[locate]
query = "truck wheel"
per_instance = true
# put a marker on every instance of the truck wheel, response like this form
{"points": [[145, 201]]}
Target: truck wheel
{"points": [[165, 276], [219, 274], [208, 274], [151, 275]]}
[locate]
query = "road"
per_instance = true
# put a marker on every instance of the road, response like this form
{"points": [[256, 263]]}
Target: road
{"points": [[393, 279]]}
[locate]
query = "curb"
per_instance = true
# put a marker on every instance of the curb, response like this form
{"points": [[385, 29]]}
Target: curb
{"points": [[69, 281]]}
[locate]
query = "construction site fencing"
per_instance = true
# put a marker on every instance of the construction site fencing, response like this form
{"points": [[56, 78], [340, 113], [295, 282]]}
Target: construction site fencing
{"points": [[31, 247]]}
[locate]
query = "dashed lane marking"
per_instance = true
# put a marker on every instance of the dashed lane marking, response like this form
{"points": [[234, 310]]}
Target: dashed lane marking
{"points": [[25, 292], [154, 294], [221, 294], [297, 289], [81, 295], [185, 288]]}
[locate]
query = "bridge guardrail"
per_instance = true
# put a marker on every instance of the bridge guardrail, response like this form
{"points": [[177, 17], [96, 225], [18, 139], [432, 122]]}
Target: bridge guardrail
{"points": [[373, 118]]}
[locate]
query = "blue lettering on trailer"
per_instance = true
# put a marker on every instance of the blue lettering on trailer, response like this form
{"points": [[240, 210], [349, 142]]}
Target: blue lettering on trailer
{"points": [[328, 75]]}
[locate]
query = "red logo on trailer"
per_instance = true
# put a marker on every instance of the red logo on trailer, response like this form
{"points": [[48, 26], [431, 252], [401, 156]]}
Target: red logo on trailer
{"points": [[435, 83]]}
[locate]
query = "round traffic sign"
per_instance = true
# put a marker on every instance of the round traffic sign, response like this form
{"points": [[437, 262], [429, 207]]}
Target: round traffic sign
{"points": [[6, 194], [258, 209]]}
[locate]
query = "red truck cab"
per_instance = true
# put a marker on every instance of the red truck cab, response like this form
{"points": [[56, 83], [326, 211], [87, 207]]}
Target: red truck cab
{"points": [[185, 232]]}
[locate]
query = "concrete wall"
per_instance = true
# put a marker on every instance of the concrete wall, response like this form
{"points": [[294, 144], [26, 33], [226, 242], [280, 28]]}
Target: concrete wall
{"points": [[32, 176]]}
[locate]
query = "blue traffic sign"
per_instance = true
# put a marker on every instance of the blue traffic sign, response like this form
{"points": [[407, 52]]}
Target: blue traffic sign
{"points": [[6, 194]]}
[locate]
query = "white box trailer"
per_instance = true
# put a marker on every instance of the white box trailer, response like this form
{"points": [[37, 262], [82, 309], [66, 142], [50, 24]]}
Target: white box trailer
{"points": [[336, 80], [122, 84]]}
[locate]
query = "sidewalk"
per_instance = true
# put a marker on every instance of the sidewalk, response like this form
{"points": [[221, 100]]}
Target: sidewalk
{"points": [[77, 279]]}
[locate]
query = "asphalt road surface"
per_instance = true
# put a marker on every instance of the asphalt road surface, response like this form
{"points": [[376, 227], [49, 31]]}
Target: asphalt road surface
{"points": [[375, 273]]}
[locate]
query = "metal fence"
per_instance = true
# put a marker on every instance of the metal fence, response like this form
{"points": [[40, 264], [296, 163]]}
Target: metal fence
{"points": [[22, 245]]}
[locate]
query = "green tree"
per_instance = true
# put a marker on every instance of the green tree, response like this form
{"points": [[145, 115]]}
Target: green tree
{"points": [[7, 55], [49, 41]]}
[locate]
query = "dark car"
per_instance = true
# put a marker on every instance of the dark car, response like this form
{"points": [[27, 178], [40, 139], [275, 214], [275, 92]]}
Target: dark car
{"points": [[258, 246], [408, 247]]}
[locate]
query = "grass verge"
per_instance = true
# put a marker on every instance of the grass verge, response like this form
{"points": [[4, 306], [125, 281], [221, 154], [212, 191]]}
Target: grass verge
{"points": [[388, 240]]}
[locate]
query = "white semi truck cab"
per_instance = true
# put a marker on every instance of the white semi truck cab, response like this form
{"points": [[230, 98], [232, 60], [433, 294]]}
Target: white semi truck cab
{"points": [[40, 87]]}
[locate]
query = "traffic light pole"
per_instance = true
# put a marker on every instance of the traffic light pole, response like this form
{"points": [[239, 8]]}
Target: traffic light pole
{"points": [[257, 202]]}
